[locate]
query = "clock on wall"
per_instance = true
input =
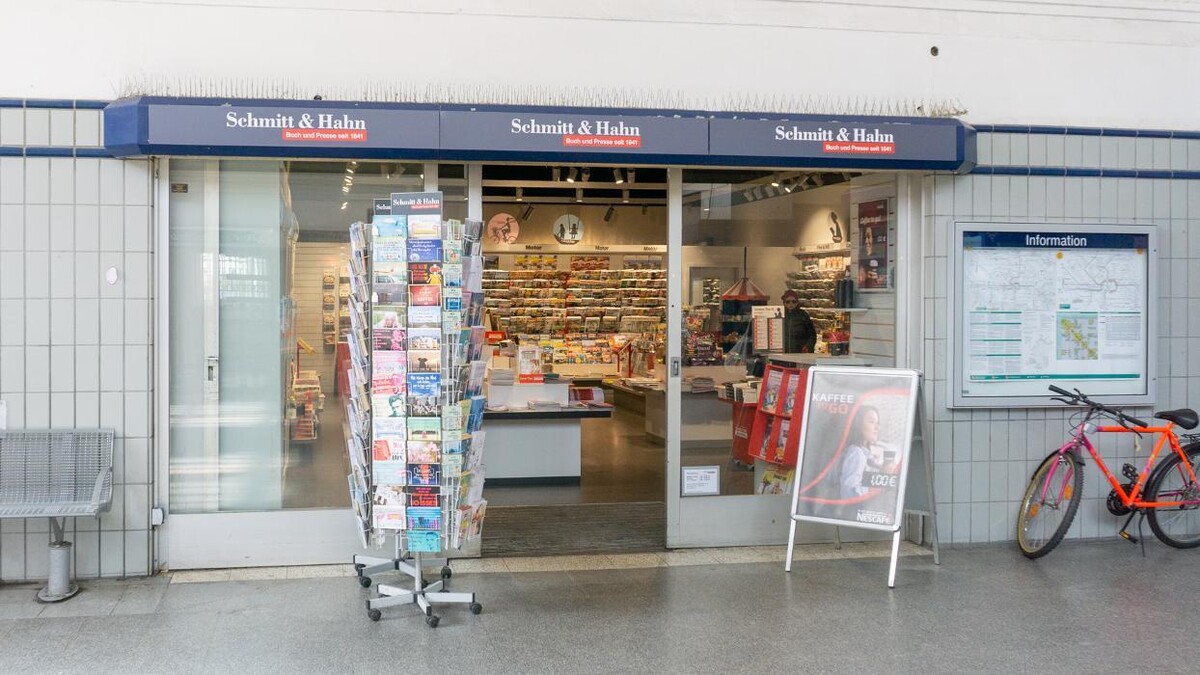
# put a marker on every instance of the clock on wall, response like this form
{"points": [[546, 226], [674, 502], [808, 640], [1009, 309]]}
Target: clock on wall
{"points": [[568, 229]]}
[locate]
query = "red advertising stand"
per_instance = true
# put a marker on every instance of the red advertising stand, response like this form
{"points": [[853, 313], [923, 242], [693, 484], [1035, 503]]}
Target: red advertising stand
{"points": [[775, 434]]}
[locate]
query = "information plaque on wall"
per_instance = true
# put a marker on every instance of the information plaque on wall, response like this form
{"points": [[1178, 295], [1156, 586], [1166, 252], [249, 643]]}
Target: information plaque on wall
{"points": [[1034, 305]]}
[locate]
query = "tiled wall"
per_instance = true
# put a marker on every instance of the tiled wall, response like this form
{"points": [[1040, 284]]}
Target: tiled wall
{"points": [[76, 351], [983, 458]]}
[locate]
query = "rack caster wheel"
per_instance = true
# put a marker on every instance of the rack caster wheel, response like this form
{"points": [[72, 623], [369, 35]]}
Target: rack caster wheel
{"points": [[432, 621], [475, 607], [365, 582], [374, 614], [358, 568], [447, 572], [424, 584]]}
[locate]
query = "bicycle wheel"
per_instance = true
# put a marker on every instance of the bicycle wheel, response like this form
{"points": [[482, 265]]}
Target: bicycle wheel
{"points": [[1050, 503], [1177, 526]]}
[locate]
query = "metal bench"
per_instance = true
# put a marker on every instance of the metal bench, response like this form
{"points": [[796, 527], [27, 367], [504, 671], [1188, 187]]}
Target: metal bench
{"points": [[56, 474]]}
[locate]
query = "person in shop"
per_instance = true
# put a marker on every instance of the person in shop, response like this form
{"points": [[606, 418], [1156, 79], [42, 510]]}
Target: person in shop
{"points": [[799, 333]]}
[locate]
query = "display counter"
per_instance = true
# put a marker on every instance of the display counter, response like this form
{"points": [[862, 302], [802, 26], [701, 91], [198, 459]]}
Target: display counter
{"points": [[793, 360], [536, 447], [705, 420]]}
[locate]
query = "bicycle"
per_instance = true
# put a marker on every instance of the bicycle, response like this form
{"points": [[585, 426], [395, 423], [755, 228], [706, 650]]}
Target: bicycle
{"points": [[1168, 495]]}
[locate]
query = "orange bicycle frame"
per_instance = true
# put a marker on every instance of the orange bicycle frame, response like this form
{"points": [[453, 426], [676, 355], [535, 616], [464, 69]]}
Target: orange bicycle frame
{"points": [[1166, 435]]}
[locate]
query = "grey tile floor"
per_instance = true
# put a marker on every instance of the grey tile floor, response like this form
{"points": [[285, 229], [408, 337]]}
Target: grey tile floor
{"points": [[1088, 607]]}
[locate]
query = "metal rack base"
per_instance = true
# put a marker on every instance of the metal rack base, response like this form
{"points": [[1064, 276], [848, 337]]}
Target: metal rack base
{"points": [[423, 594]]}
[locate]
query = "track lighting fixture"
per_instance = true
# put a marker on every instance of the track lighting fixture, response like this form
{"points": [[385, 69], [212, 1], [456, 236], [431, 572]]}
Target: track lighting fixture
{"points": [[555, 174], [579, 195], [624, 196], [608, 215], [632, 175], [774, 180], [618, 177], [528, 210], [587, 174], [572, 174], [520, 194]]}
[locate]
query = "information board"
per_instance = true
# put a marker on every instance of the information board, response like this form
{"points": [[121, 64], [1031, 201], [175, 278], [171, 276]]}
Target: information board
{"points": [[855, 445], [1036, 305]]}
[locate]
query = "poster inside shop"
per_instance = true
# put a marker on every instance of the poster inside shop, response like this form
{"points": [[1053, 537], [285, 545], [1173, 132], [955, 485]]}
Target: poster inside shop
{"points": [[855, 446], [873, 272]]}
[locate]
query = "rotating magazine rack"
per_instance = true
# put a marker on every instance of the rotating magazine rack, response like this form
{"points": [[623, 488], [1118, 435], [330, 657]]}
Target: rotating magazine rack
{"points": [[415, 404]]}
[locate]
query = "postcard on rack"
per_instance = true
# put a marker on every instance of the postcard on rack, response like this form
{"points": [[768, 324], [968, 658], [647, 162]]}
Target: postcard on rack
{"points": [[425, 317], [424, 429], [390, 294], [452, 466], [424, 452], [452, 321], [425, 250], [389, 517], [389, 495], [425, 361], [452, 250], [390, 273], [390, 426], [452, 417], [452, 274], [385, 406], [389, 473], [424, 474], [425, 338], [418, 491], [425, 226], [388, 449], [388, 316], [424, 296], [452, 298], [423, 541], [452, 443], [389, 339], [424, 391], [425, 273], [389, 250], [390, 227], [424, 518]]}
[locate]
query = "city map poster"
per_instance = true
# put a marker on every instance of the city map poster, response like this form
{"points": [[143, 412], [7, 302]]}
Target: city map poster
{"points": [[854, 447], [873, 244], [1064, 306]]}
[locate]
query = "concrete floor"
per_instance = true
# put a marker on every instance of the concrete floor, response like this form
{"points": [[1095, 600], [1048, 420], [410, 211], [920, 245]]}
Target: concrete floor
{"points": [[1088, 607]]}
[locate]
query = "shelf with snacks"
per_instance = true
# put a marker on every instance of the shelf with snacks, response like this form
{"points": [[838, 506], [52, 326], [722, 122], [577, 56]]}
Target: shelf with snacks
{"points": [[552, 301]]}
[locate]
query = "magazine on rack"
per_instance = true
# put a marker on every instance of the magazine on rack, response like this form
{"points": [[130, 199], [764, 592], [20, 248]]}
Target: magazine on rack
{"points": [[424, 541]]}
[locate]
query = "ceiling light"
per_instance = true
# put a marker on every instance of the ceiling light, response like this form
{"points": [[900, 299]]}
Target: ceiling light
{"points": [[624, 196], [345, 188], [572, 174], [632, 175], [555, 174], [775, 180], [353, 163], [520, 194], [618, 178], [344, 205], [579, 195], [587, 174], [608, 215]]}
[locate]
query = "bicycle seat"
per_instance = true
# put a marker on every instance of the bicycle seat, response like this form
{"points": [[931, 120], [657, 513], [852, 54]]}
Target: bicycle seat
{"points": [[1183, 417]]}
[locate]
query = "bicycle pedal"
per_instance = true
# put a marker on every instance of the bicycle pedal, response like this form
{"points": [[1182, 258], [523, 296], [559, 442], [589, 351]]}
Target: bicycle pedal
{"points": [[1129, 472], [1128, 537]]}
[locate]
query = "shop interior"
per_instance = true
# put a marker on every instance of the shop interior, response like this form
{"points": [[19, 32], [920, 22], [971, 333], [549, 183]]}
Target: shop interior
{"points": [[576, 280]]}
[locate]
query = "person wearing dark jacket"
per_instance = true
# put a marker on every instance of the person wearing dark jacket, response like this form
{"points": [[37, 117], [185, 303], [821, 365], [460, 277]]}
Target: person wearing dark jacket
{"points": [[799, 333]]}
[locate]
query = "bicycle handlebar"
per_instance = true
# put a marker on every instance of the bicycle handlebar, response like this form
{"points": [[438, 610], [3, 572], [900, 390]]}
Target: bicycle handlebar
{"points": [[1077, 397]]}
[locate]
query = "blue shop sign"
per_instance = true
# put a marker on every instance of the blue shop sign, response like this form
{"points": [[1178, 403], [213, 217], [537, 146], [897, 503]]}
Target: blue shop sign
{"points": [[165, 126]]}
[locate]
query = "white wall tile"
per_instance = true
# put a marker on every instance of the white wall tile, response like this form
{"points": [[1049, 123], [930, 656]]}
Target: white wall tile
{"points": [[62, 275], [1127, 152], [12, 370], [112, 260], [12, 274], [1073, 150], [1109, 198], [112, 228], [16, 419], [87, 180], [87, 127], [112, 181], [137, 414], [137, 182], [12, 180], [37, 408], [62, 322], [12, 126], [1055, 197], [112, 321], [87, 409], [112, 410], [112, 368], [62, 410], [87, 549], [62, 180], [999, 201], [12, 321], [1072, 197], [137, 461], [87, 228], [1161, 148], [137, 228], [137, 322], [137, 547], [1144, 153], [1090, 152], [1001, 149], [1162, 198], [1090, 197], [37, 369], [983, 149], [87, 368], [1018, 196], [62, 227], [1144, 200], [137, 506], [37, 127], [1018, 149], [62, 127], [112, 553], [137, 368], [37, 180], [62, 369], [981, 194], [12, 227], [37, 321], [137, 275], [1193, 154], [87, 277], [37, 274], [87, 321], [37, 227]]}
